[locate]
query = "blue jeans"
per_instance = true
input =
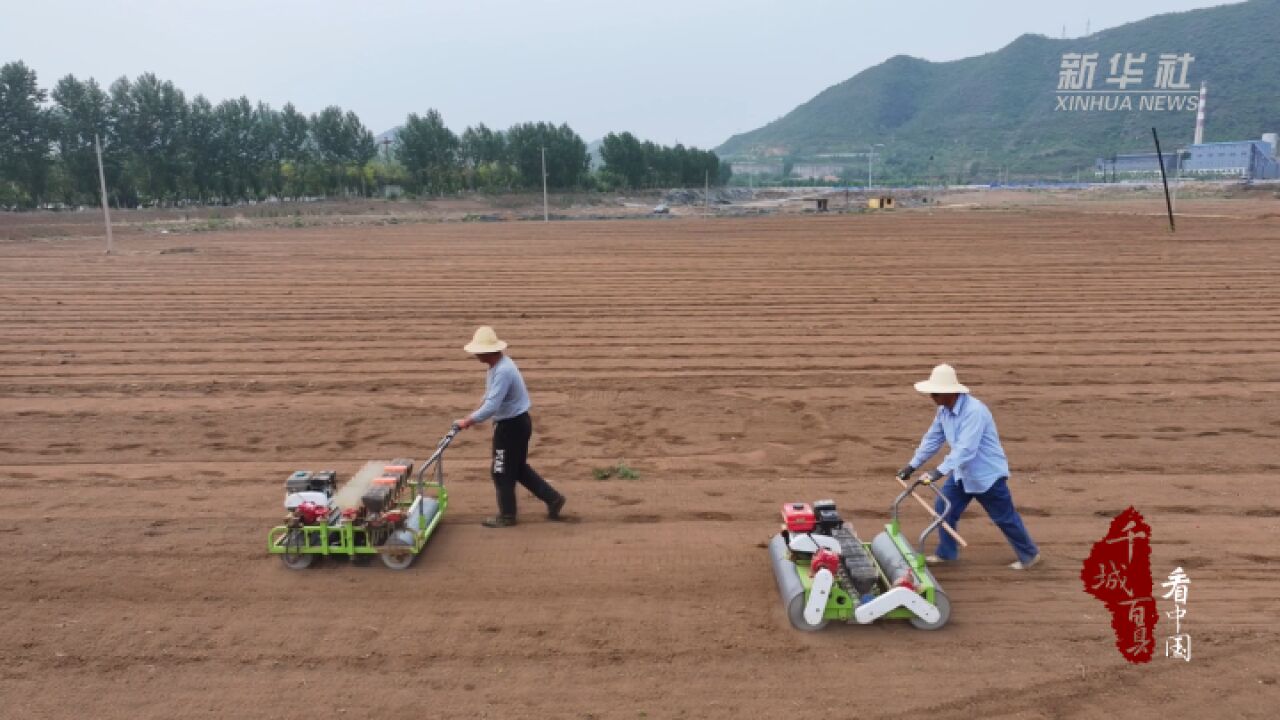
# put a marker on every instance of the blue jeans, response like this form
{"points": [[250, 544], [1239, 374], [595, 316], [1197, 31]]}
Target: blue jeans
{"points": [[999, 505]]}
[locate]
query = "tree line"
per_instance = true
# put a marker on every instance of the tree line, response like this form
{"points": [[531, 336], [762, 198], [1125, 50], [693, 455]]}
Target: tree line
{"points": [[631, 163], [436, 160], [159, 148]]}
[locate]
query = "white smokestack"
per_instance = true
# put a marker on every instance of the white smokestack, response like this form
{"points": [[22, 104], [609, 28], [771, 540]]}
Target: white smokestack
{"points": [[1204, 91], [1272, 139]]}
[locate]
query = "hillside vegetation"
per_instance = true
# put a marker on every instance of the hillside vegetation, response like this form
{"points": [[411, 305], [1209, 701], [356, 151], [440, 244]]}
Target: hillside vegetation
{"points": [[968, 118]]}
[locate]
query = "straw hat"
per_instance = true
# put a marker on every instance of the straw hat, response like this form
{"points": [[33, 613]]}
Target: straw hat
{"points": [[484, 341], [942, 380]]}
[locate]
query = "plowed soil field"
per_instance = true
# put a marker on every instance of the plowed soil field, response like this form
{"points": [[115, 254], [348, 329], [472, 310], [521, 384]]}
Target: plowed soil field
{"points": [[152, 403]]}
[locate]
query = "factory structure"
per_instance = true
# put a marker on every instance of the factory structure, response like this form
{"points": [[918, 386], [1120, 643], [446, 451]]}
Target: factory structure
{"points": [[1237, 159]]}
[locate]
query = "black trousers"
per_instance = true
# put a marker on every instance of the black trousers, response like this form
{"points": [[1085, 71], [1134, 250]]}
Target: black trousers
{"points": [[511, 464]]}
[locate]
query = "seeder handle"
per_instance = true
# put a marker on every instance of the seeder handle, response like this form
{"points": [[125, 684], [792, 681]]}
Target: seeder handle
{"points": [[945, 525], [437, 458]]}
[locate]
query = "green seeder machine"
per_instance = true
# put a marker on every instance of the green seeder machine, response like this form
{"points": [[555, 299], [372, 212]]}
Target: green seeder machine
{"points": [[825, 572], [381, 511]]}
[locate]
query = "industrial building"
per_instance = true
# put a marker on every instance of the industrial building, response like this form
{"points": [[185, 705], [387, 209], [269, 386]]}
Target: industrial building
{"points": [[1243, 159], [1247, 159], [1135, 164]]}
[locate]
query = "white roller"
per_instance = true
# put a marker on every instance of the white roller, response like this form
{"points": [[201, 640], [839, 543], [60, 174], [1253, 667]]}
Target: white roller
{"points": [[421, 513]]}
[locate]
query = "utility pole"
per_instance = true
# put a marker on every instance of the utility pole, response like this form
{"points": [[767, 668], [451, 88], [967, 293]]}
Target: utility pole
{"points": [[706, 193], [545, 215], [102, 182], [871, 154], [1164, 179], [1177, 179]]}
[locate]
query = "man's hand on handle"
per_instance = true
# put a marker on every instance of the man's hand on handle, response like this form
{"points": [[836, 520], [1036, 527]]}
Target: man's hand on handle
{"points": [[464, 423], [906, 472], [931, 476]]}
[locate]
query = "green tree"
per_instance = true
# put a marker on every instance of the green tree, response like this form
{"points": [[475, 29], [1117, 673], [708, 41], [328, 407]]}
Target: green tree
{"points": [[236, 150], [266, 133], [624, 157], [81, 112], [647, 164], [428, 150], [120, 156], [296, 151], [328, 136], [343, 145], [203, 154], [25, 134], [483, 154], [567, 160], [363, 150], [154, 134], [481, 146]]}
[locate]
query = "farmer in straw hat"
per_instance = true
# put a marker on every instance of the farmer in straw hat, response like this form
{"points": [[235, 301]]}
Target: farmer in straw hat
{"points": [[976, 467], [507, 401]]}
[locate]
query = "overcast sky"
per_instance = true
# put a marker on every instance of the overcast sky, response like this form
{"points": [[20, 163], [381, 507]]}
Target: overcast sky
{"points": [[696, 71]]}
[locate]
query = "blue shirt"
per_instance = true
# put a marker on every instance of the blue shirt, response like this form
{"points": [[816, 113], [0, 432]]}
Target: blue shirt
{"points": [[504, 393], [976, 458]]}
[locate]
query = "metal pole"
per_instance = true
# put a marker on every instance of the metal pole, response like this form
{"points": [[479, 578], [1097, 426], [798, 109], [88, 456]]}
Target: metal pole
{"points": [[1177, 178], [706, 193], [871, 154], [545, 216], [1168, 201], [102, 182]]}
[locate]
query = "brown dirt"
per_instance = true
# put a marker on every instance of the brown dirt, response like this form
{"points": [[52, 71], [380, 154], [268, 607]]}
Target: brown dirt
{"points": [[154, 402]]}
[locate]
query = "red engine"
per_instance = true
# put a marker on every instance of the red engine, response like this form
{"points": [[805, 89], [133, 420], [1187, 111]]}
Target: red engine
{"points": [[799, 517], [824, 559], [311, 513]]}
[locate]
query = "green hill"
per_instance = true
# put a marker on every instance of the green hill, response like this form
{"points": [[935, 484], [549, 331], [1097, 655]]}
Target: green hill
{"points": [[964, 120]]}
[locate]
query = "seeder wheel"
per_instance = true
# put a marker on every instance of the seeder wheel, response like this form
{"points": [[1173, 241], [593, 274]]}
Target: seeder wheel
{"points": [[293, 557], [398, 555], [296, 560], [795, 613], [941, 602]]}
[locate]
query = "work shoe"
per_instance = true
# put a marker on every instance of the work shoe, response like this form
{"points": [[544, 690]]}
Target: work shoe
{"points": [[554, 507], [935, 560], [499, 521], [1019, 565]]}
